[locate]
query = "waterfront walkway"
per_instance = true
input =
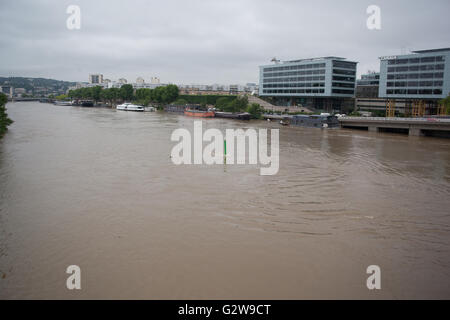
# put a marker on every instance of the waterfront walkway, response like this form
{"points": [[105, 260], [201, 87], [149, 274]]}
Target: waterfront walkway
{"points": [[270, 107], [412, 126]]}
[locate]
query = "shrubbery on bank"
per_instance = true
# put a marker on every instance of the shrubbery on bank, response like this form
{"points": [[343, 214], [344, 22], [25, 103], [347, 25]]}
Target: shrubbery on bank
{"points": [[4, 120], [205, 99], [239, 104]]}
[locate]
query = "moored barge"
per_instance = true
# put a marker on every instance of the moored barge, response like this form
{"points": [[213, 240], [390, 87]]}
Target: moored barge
{"points": [[315, 121], [233, 115], [198, 112]]}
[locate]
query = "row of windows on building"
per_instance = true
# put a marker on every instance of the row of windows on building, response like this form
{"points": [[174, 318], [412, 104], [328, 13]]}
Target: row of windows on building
{"points": [[335, 91], [309, 72], [343, 85], [343, 91], [296, 91], [295, 85], [296, 67], [308, 84], [417, 68], [428, 75], [348, 79], [415, 84], [316, 78], [414, 91], [417, 60], [344, 64], [294, 73], [346, 72]]}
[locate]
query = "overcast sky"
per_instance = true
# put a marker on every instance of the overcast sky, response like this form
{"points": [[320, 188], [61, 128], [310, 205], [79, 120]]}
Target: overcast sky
{"points": [[207, 41]]}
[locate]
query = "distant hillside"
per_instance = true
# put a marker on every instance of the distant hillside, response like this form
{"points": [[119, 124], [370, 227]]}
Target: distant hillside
{"points": [[36, 84]]}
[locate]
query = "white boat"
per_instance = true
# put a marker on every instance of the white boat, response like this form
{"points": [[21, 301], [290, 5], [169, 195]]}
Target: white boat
{"points": [[62, 103], [130, 107]]}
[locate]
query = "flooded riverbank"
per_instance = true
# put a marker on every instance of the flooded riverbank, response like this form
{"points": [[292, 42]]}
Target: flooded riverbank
{"points": [[97, 188]]}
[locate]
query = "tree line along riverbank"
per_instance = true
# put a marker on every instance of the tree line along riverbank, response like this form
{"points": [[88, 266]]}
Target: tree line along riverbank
{"points": [[161, 96]]}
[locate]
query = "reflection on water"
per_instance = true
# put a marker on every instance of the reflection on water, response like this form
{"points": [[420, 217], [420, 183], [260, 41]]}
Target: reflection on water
{"points": [[96, 188]]}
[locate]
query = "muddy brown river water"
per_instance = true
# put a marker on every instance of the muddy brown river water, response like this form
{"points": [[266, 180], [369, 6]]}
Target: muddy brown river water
{"points": [[96, 188]]}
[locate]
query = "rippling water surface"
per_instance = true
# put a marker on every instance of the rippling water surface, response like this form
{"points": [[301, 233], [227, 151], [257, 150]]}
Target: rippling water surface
{"points": [[96, 188]]}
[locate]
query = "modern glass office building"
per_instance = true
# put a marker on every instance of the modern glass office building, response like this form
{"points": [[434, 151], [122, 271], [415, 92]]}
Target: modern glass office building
{"points": [[328, 80], [326, 77], [423, 74]]}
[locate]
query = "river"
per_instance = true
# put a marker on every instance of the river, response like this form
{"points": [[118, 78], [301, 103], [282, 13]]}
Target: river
{"points": [[96, 188]]}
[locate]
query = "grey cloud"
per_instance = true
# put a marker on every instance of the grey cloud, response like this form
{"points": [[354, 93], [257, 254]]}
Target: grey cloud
{"points": [[206, 41]]}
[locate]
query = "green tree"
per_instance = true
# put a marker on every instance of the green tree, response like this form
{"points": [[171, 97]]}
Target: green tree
{"points": [[115, 95], [110, 95], [237, 105], [222, 103], [75, 94], [180, 101], [144, 96], [86, 93], [61, 97], [126, 92], [169, 93], [157, 94], [255, 110], [4, 120], [105, 96], [96, 93]]}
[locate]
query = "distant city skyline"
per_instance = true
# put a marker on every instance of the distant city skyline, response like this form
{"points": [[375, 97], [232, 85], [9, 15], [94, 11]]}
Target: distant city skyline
{"points": [[207, 42]]}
